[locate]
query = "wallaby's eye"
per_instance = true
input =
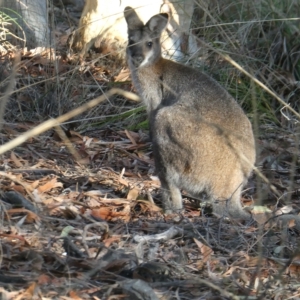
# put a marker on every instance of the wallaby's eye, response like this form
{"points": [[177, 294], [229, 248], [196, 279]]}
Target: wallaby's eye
{"points": [[149, 44]]}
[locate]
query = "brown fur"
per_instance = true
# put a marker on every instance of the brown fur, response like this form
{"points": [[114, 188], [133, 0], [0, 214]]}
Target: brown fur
{"points": [[202, 140]]}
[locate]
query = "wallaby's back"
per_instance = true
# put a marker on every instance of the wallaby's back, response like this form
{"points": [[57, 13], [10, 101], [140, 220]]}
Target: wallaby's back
{"points": [[202, 140]]}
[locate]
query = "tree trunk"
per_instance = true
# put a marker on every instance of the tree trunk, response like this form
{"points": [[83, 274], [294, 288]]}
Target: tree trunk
{"points": [[102, 22], [31, 28]]}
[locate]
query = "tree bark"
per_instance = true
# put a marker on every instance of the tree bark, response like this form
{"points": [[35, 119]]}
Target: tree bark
{"points": [[31, 28]]}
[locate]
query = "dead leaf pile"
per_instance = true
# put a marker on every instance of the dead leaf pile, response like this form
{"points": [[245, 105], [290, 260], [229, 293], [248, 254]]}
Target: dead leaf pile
{"points": [[87, 218]]}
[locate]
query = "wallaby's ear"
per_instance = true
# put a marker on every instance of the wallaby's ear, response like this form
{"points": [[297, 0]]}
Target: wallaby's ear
{"points": [[158, 23], [132, 19]]}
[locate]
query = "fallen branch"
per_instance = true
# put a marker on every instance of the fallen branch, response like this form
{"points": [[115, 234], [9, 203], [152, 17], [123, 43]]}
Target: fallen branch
{"points": [[167, 235], [73, 113]]}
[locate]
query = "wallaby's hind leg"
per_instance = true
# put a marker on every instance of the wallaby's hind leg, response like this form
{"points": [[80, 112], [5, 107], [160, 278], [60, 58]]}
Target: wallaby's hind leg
{"points": [[230, 206], [171, 197]]}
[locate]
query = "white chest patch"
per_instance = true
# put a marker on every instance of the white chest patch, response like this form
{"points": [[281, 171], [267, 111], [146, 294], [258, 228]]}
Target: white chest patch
{"points": [[146, 59]]}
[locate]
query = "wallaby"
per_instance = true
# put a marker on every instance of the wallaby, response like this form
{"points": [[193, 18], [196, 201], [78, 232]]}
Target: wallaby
{"points": [[202, 140]]}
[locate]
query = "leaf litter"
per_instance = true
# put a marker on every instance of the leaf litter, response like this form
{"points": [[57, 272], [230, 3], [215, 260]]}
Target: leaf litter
{"points": [[83, 220], [90, 228]]}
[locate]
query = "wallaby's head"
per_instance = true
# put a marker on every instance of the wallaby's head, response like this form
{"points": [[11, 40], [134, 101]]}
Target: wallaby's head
{"points": [[144, 40]]}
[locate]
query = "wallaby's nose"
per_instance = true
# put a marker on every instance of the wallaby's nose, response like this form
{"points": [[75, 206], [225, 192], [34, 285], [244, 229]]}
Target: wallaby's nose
{"points": [[137, 60], [136, 56]]}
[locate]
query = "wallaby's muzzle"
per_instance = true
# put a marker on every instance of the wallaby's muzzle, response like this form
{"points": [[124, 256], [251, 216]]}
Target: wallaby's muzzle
{"points": [[135, 56]]}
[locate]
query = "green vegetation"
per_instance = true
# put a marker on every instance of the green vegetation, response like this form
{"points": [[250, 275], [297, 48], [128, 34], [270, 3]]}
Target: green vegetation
{"points": [[263, 37], [6, 32]]}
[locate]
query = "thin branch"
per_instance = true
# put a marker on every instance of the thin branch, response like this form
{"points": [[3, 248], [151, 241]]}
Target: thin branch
{"points": [[55, 122]]}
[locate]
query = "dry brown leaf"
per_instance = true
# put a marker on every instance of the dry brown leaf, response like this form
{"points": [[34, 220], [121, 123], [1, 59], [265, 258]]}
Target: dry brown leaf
{"points": [[230, 271], [285, 220], [56, 211], [293, 271], [110, 213], [143, 155], [16, 161], [74, 295], [129, 135], [250, 229], [123, 75], [13, 237], [6, 295], [109, 241], [93, 193], [114, 201], [31, 216], [18, 176], [92, 202], [133, 194], [74, 133], [123, 181], [49, 185], [296, 261], [148, 206], [155, 182], [253, 261], [103, 213], [291, 223], [205, 250], [34, 185], [84, 160], [133, 134], [50, 202], [258, 261], [44, 279], [19, 188], [87, 141], [30, 291]]}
